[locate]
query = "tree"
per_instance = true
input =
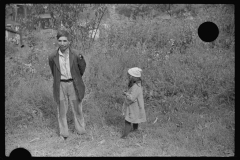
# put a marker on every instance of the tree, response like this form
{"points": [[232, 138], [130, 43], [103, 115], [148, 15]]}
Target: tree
{"points": [[136, 10], [78, 19], [143, 10]]}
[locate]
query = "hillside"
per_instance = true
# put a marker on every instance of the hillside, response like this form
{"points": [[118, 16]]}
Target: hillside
{"points": [[189, 92]]}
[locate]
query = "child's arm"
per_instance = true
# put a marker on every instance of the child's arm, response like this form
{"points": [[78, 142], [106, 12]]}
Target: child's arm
{"points": [[133, 94]]}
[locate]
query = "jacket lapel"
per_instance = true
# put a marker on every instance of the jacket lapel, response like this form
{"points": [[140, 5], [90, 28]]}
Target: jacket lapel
{"points": [[70, 58], [56, 60]]}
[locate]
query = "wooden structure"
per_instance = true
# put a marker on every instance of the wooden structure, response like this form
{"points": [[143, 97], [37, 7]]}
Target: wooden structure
{"points": [[45, 21], [13, 33], [16, 10], [12, 27]]}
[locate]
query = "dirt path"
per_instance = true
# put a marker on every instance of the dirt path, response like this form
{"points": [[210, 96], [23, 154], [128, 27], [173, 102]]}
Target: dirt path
{"points": [[157, 137], [102, 141], [41, 143]]}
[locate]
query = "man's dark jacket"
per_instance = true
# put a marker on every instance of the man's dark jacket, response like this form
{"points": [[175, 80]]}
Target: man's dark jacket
{"points": [[77, 68]]}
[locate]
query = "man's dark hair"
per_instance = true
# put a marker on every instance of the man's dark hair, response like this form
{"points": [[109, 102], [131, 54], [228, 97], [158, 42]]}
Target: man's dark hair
{"points": [[63, 33], [133, 81]]}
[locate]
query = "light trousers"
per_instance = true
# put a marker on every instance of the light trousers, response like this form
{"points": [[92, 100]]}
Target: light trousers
{"points": [[67, 94]]}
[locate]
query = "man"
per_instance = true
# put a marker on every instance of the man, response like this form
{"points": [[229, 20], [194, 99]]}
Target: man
{"points": [[67, 67]]}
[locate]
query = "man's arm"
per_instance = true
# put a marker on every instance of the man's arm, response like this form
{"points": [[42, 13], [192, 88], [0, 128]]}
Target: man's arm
{"points": [[81, 64]]}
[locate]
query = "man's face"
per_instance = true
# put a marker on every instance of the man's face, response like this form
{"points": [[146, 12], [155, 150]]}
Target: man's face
{"points": [[63, 43]]}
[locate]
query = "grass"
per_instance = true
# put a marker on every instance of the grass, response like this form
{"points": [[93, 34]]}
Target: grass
{"points": [[173, 134]]}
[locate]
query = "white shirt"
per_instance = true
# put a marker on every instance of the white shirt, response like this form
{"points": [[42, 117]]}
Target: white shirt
{"points": [[64, 63]]}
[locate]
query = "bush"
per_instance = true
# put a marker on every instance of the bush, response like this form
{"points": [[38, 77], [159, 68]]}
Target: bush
{"points": [[28, 94], [172, 59], [31, 101]]}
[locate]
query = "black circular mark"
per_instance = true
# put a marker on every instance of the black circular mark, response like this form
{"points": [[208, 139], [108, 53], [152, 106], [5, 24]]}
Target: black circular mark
{"points": [[208, 31], [20, 152]]}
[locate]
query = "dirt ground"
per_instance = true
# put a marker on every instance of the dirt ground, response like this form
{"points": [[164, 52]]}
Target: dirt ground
{"points": [[151, 140]]}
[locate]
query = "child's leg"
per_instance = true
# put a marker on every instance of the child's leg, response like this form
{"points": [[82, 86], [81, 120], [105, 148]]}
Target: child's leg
{"points": [[135, 126], [127, 129]]}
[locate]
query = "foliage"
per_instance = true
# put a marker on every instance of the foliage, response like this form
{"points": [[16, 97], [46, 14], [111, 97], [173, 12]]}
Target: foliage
{"points": [[173, 60], [27, 92], [78, 19], [153, 10]]}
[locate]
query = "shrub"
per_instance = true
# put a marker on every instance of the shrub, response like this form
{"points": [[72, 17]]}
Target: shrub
{"points": [[28, 94], [172, 59]]}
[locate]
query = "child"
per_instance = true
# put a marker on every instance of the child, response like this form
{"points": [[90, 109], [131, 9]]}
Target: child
{"points": [[133, 107]]}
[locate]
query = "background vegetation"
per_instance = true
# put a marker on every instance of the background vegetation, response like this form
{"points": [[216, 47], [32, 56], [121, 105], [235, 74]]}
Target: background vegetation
{"points": [[189, 85]]}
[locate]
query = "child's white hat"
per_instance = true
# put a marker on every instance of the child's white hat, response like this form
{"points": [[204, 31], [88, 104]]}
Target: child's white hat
{"points": [[135, 72]]}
